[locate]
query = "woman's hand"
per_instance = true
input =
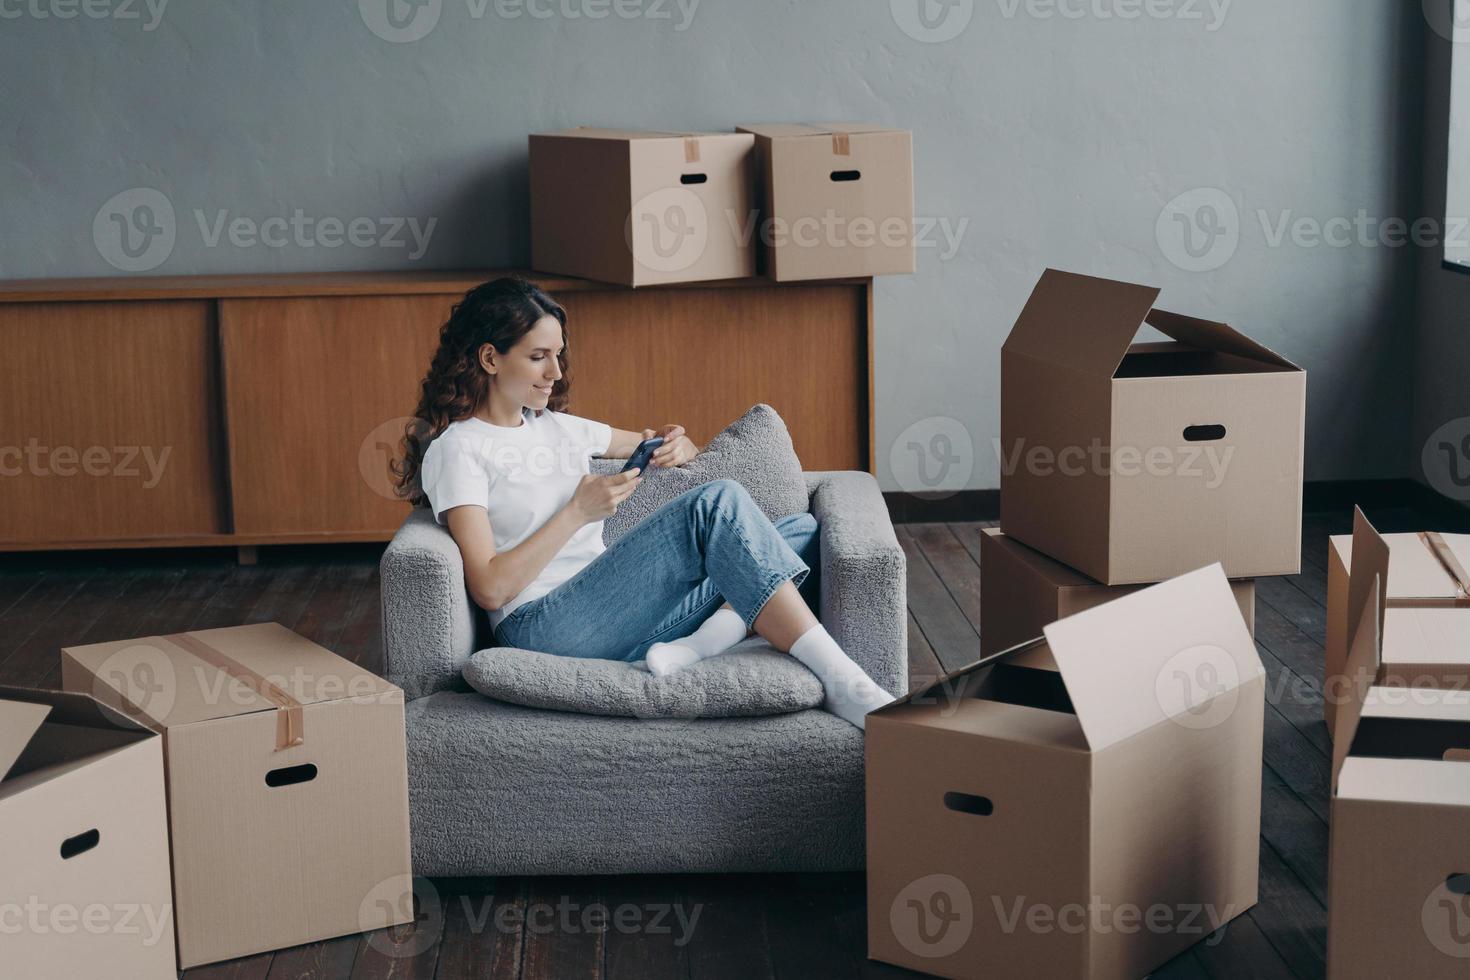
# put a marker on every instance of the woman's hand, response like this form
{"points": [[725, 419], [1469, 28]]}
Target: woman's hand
{"points": [[597, 497], [677, 449]]}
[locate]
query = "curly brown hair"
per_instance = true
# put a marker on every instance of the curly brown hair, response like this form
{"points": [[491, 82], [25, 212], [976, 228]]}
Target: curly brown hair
{"points": [[498, 313]]}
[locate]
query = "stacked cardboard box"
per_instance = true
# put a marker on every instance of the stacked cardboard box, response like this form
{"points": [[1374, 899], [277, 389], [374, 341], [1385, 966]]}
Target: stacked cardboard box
{"points": [[1135, 477]]}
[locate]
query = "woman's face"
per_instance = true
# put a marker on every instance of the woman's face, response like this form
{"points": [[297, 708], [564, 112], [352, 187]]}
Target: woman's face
{"points": [[525, 373]]}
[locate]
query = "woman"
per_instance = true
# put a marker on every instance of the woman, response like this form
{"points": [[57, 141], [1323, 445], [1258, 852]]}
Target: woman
{"points": [[507, 470]]}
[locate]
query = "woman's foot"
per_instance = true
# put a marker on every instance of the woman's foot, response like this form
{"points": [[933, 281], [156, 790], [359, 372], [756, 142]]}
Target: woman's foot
{"points": [[851, 693], [717, 634]]}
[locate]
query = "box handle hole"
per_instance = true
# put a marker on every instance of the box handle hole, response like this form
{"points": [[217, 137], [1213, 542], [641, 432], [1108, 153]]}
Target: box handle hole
{"points": [[291, 775], [969, 803], [846, 176], [80, 844], [1204, 433], [693, 178], [1458, 884]]}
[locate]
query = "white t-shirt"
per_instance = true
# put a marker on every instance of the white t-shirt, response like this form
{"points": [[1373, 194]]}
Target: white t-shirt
{"points": [[521, 476]]}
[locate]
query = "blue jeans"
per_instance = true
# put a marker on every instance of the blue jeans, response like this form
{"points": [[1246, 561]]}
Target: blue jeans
{"points": [[667, 575]]}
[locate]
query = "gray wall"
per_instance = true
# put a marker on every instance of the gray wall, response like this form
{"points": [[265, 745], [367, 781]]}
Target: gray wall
{"points": [[1441, 389], [1048, 138]]}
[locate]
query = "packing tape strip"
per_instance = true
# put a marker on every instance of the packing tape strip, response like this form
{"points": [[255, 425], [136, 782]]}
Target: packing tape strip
{"points": [[1437, 546], [841, 145], [290, 727], [691, 149]]}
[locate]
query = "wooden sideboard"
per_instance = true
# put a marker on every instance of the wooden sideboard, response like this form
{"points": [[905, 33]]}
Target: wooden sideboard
{"points": [[264, 409]]}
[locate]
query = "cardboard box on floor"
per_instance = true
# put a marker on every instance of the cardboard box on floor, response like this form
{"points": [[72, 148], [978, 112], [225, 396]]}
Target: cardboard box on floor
{"points": [[1399, 873], [1084, 806], [640, 208], [1426, 625], [837, 200], [1136, 462], [1021, 590], [83, 842], [287, 783]]}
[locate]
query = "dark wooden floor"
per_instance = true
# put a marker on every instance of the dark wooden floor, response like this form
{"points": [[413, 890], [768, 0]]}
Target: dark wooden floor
{"points": [[747, 926]]}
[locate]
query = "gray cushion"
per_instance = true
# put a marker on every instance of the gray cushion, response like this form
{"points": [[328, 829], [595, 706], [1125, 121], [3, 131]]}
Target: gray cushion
{"points": [[755, 449], [751, 680]]}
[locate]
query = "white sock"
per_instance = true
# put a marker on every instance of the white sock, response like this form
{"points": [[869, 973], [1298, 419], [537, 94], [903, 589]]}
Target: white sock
{"points": [[717, 634], [851, 693]]}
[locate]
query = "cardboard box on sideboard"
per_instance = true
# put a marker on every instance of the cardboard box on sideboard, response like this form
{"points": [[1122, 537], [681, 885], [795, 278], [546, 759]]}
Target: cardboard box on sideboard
{"points": [[837, 200], [1399, 866], [1022, 590], [83, 841], [1113, 769], [642, 208], [287, 783], [1426, 624], [1135, 462]]}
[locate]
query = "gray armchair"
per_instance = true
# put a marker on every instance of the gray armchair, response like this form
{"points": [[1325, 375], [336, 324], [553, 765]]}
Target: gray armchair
{"points": [[499, 789]]}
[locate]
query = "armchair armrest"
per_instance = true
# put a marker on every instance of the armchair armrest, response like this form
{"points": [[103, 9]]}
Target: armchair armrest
{"points": [[864, 583], [428, 619]]}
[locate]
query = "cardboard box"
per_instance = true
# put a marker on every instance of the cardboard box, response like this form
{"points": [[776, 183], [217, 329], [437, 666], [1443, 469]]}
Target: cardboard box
{"points": [[1399, 873], [83, 842], [1087, 805], [641, 208], [1136, 462], [1426, 624], [287, 783], [1022, 590], [837, 200]]}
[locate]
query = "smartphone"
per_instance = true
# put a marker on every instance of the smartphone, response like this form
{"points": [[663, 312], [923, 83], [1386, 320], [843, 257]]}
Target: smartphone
{"points": [[643, 454]]}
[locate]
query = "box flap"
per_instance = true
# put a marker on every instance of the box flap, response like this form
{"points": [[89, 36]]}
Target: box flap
{"points": [[1361, 670], [1080, 322], [1369, 562], [1154, 655], [19, 721], [1209, 335]]}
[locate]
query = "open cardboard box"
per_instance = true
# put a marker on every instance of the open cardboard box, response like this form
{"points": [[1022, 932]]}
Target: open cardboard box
{"points": [[641, 208], [837, 200], [1086, 805], [1425, 626], [1021, 590], [1399, 877], [83, 842], [1136, 462], [287, 783]]}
